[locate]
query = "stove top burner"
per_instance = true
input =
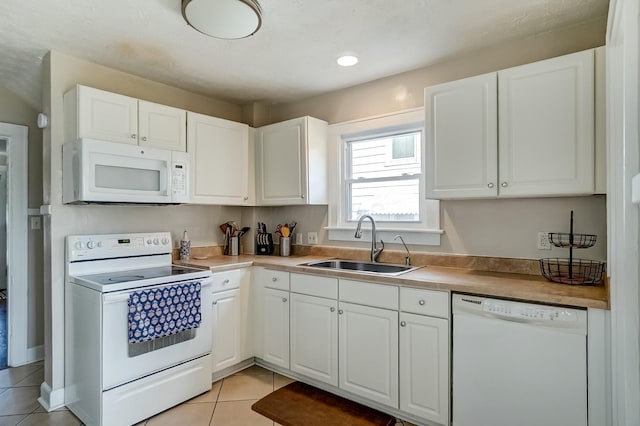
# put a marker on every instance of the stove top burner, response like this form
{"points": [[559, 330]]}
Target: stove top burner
{"points": [[132, 276]]}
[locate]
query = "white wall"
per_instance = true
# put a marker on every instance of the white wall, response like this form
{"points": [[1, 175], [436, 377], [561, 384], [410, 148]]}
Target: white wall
{"points": [[61, 74], [484, 227]]}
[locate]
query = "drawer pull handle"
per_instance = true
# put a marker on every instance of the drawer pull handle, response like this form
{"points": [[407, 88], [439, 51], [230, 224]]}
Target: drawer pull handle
{"points": [[215, 302], [332, 309], [403, 323], [490, 184], [421, 302], [504, 184], [274, 279], [225, 282], [284, 299], [340, 311]]}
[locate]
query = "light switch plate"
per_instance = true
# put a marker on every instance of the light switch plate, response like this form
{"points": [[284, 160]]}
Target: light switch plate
{"points": [[299, 238], [635, 189]]}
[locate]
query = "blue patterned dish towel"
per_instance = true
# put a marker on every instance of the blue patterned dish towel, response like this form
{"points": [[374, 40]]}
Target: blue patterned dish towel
{"points": [[164, 311]]}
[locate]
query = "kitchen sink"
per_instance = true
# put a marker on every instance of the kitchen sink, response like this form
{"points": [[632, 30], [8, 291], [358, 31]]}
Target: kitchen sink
{"points": [[365, 267]]}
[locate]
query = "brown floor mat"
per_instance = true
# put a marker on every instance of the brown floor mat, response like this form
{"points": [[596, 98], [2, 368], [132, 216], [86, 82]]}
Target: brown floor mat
{"points": [[299, 404]]}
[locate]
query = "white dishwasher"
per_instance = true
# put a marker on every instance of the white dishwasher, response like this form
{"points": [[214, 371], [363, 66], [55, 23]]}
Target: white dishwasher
{"points": [[518, 363]]}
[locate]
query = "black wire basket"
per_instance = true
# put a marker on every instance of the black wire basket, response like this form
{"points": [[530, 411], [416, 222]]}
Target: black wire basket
{"points": [[560, 239], [572, 271]]}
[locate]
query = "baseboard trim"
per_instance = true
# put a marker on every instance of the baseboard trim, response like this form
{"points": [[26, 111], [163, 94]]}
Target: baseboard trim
{"points": [[35, 353], [51, 399]]}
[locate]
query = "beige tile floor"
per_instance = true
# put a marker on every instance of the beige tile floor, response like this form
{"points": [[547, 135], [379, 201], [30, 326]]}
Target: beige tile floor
{"points": [[228, 403]]}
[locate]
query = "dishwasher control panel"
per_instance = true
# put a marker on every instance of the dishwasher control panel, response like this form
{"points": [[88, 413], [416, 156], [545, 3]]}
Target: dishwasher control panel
{"points": [[528, 311], [508, 310]]}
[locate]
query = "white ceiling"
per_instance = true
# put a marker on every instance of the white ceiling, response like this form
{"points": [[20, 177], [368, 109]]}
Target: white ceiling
{"points": [[291, 57]]}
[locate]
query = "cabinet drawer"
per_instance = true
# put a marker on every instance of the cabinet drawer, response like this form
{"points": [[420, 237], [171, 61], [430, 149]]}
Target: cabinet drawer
{"points": [[363, 293], [424, 302], [227, 280], [276, 279], [314, 285]]}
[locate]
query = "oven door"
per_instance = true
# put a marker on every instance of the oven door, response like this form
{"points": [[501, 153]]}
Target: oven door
{"points": [[124, 362]]}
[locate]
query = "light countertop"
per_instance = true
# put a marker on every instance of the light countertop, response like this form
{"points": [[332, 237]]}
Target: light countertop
{"points": [[499, 284]]}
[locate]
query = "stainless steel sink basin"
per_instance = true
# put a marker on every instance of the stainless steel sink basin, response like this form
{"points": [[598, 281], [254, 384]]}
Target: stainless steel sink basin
{"points": [[364, 267]]}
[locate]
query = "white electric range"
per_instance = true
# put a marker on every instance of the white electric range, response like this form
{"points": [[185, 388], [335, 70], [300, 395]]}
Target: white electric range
{"points": [[114, 376]]}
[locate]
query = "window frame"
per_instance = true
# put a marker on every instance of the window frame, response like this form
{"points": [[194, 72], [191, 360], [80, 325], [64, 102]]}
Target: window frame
{"points": [[347, 172], [425, 232]]}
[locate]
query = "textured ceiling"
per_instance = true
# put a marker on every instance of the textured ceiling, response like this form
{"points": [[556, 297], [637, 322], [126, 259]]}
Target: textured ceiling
{"points": [[291, 57]]}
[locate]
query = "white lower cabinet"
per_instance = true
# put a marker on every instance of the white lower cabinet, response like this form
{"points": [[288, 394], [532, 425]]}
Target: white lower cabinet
{"points": [[314, 337], [275, 344], [368, 352], [226, 329], [424, 367], [232, 319]]}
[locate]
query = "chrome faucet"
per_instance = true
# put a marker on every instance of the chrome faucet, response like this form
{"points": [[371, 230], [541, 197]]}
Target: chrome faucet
{"points": [[375, 251], [407, 258]]}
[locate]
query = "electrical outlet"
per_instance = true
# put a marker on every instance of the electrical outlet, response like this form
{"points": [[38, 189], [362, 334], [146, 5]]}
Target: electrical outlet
{"points": [[543, 241], [299, 238], [312, 237], [35, 222]]}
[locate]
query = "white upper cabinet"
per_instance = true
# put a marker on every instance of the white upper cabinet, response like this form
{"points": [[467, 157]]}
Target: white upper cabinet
{"points": [[546, 127], [529, 135], [98, 114], [162, 126], [461, 130], [219, 157], [291, 162]]}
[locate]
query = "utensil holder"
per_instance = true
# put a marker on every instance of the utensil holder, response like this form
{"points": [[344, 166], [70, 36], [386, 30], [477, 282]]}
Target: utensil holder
{"points": [[285, 246], [232, 246]]}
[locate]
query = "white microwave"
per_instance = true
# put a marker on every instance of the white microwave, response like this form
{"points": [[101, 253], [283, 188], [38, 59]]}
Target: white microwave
{"points": [[95, 171]]}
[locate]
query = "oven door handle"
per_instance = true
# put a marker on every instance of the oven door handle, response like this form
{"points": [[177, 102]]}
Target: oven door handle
{"points": [[120, 297]]}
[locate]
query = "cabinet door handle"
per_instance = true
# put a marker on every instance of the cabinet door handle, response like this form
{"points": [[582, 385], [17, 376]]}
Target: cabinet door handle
{"points": [[284, 299], [133, 136], [245, 198], [215, 302], [340, 311], [225, 282], [421, 302], [274, 279], [490, 184], [332, 309], [504, 184], [403, 323], [144, 138], [302, 196]]}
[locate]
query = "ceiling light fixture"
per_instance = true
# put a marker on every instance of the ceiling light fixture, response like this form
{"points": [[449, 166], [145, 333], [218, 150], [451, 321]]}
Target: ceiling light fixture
{"points": [[226, 19], [347, 61]]}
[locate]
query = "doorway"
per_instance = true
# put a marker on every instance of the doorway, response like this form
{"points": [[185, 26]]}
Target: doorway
{"points": [[14, 239], [4, 325]]}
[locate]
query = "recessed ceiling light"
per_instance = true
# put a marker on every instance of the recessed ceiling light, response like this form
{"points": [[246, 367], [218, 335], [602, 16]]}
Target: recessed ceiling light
{"points": [[347, 61]]}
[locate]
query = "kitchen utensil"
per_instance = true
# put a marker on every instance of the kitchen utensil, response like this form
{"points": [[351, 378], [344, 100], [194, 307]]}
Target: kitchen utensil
{"points": [[284, 231], [223, 228], [243, 231]]}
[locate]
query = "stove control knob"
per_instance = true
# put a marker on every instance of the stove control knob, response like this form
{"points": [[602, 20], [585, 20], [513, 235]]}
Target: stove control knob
{"points": [[165, 241], [156, 241], [99, 244], [90, 244], [149, 242], [79, 245]]}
